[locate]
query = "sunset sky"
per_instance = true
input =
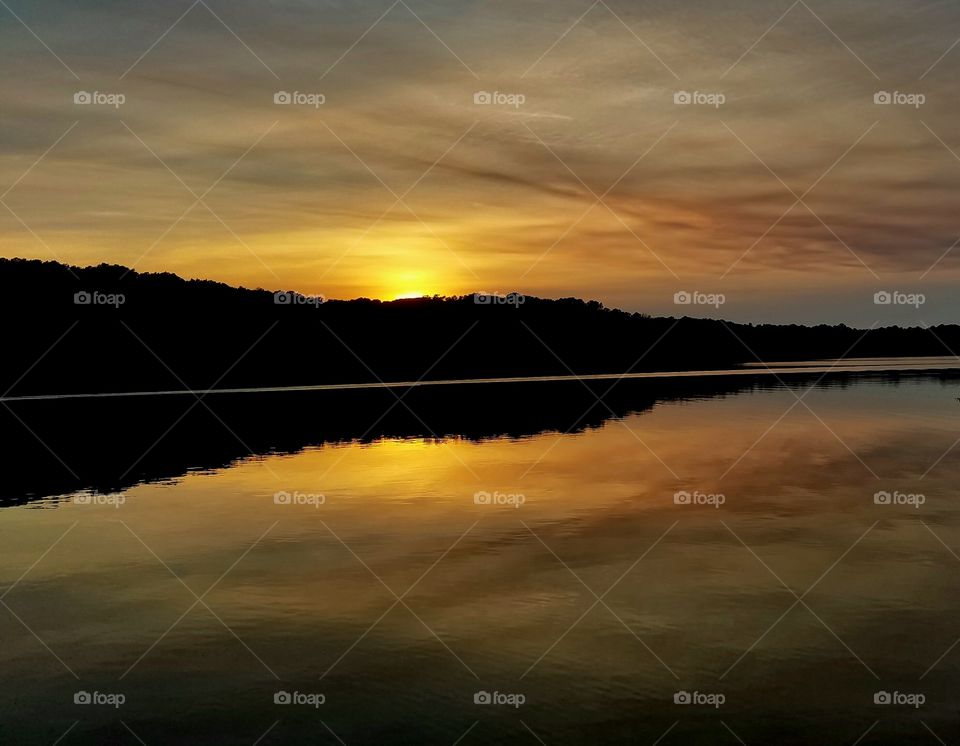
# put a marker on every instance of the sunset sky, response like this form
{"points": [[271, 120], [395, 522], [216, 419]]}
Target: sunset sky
{"points": [[594, 183]]}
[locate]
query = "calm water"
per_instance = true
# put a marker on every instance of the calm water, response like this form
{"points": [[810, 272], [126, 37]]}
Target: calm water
{"points": [[783, 604]]}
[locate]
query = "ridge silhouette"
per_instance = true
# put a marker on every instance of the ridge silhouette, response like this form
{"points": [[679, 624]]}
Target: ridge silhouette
{"points": [[170, 333]]}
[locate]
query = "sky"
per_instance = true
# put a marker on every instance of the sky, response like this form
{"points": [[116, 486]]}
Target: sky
{"points": [[767, 161]]}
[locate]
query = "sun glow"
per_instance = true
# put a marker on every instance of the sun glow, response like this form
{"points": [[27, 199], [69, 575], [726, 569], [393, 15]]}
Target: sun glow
{"points": [[407, 285]]}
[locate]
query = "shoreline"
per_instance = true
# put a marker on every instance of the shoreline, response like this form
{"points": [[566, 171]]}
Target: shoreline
{"points": [[924, 364]]}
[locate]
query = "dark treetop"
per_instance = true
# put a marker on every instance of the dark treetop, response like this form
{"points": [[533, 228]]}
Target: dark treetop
{"points": [[169, 333]]}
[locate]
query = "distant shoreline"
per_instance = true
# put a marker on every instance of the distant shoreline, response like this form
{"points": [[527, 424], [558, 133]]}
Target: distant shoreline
{"points": [[866, 365], [111, 332]]}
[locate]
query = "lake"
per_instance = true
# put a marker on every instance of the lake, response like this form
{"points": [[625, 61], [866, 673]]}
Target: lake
{"points": [[747, 559]]}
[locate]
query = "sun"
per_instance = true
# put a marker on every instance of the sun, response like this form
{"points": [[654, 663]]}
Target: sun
{"points": [[407, 285]]}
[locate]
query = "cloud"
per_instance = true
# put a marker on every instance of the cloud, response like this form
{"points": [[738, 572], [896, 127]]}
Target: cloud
{"points": [[707, 183]]}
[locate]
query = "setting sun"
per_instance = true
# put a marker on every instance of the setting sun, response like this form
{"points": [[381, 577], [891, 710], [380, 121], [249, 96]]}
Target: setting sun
{"points": [[408, 285]]}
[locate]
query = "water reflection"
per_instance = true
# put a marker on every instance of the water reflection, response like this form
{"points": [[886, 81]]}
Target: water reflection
{"points": [[497, 598], [59, 447]]}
